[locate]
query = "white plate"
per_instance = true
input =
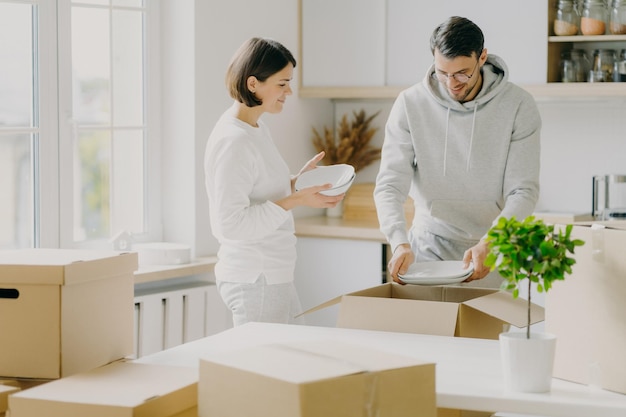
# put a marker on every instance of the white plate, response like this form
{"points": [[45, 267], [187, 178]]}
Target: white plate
{"points": [[436, 273]]}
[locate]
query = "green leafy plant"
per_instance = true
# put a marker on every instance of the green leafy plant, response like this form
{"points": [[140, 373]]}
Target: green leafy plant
{"points": [[530, 250]]}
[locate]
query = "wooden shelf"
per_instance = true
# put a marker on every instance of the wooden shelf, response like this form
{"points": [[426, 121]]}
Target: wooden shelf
{"points": [[583, 38], [382, 92]]}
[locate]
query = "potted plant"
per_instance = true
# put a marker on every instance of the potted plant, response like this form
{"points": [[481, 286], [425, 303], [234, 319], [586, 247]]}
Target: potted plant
{"points": [[530, 252]]}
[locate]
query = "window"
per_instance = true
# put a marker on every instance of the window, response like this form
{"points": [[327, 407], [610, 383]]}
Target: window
{"points": [[76, 133]]}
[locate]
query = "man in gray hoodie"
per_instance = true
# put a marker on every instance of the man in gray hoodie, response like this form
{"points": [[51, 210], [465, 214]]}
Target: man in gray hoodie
{"points": [[464, 145]]}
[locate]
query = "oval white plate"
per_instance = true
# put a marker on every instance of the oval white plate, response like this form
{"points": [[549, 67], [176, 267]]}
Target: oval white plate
{"points": [[436, 273]]}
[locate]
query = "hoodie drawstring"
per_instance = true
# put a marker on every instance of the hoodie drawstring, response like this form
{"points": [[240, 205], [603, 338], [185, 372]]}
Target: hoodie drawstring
{"points": [[469, 152], [471, 143], [445, 146]]}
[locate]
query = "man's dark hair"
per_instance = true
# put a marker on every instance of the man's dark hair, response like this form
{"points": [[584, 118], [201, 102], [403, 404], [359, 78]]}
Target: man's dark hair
{"points": [[456, 37]]}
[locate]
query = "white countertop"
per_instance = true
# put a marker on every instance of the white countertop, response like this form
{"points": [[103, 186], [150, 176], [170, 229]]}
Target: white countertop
{"points": [[468, 374]]}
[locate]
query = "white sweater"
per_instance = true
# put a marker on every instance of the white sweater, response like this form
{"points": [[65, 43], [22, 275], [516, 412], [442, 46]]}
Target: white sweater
{"points": [[244, 174]]}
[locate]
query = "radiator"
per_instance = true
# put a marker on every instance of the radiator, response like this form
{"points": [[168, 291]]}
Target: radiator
{"points": [[172, 316]]}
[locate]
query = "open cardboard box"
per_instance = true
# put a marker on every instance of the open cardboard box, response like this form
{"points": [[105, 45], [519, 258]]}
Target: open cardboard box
{"points": [[64, 311], [587, 311], [437, 310], [119, 389], [314, 379], [5, 391]]}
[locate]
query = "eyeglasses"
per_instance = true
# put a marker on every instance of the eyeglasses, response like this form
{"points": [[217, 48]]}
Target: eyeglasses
{"points": [[459, 76]]}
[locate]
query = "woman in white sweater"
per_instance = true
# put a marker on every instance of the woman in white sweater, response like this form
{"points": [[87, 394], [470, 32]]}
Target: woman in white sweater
{"points": [[251, 191]]}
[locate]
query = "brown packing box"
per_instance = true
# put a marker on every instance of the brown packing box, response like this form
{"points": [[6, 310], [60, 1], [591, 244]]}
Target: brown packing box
{"points": [[315, 379], [119, 389], [437, 310], [64, 311], [587, 311], [5, 391]]}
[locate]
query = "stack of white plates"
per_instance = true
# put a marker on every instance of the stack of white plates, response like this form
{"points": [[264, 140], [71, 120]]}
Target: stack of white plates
{"points": [[436, 273]]}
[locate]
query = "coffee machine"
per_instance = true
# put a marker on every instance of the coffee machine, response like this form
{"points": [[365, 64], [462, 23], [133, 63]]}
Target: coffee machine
{"points": [[609, 197]]}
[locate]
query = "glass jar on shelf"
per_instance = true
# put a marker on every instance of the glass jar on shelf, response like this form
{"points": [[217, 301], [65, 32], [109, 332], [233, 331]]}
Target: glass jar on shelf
{"points": [[594, 17], [581, 64], [567, 68], [621, 67], [603, 66], [617, 17], [567, 20]]}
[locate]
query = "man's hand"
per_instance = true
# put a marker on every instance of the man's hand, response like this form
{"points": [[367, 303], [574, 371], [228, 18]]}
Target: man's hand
{"points": [[400, 261], [477, 255]]}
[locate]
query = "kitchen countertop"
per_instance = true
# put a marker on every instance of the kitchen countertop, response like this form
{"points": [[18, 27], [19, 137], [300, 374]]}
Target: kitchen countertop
{"points": [[468, 371], [331, 227], [152, 273]]}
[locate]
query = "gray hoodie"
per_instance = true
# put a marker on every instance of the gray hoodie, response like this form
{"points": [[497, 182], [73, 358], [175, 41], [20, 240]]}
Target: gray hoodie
{"points": [[464, 164]]}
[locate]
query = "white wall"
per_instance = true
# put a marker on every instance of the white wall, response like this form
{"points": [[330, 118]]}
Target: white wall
{"points": [[580, 139], [200, 37]]}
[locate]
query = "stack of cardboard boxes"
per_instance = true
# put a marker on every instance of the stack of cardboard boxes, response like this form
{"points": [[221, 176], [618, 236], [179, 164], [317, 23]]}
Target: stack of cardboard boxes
{"points": [[67, 317], [587, 311]]}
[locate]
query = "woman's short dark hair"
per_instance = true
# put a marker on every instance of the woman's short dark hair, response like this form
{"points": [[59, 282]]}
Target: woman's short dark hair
{"points": [[456, 37], [258, 57]]}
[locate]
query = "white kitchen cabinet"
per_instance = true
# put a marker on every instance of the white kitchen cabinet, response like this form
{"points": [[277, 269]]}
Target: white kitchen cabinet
{"points": [[327, 268], [177, 313], [515, 30], [345, 42]]}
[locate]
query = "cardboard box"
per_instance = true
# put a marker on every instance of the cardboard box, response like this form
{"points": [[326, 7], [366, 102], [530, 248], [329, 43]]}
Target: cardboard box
{"points": [[64, 311], [587, 311], [120, 389], [316, 379], [437, 310], [5, 391]]}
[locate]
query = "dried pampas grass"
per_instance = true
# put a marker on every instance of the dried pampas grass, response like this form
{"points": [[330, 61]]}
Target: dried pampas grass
{"points": [[352, 143]]}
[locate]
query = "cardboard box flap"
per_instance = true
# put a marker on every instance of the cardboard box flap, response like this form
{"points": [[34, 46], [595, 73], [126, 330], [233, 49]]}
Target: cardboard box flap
{"points": [[152, 390], [63, 266], [503, 306], [383, 290], [286, 364], [398, 315], [608, 224], [5, 391], [310, 361]]}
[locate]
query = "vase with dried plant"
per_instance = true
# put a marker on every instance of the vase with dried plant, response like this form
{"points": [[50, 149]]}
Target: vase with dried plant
{"points": [[351, 143]]}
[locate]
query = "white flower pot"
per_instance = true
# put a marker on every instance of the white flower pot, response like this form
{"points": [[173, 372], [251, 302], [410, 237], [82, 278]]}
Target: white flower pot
{"points": [[336, 211], [527, 363]]}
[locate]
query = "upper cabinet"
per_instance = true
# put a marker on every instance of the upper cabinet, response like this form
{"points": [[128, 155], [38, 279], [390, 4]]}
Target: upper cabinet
{"points": [[376, 48]]}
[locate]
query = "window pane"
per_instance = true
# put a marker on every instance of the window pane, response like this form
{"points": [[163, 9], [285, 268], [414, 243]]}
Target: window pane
{"points": [[91, 185], [128, 3], [16, 188], [16, 71], [127, 68], [128, 182], [96, 2], [91, 65]]}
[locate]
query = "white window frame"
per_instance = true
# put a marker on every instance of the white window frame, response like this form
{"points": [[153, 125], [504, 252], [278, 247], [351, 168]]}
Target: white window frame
{"points": [[45, 161], [66, 134]]}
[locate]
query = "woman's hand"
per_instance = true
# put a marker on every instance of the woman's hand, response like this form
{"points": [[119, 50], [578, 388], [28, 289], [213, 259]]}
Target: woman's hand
{"points": [[311, 164], [311, 197]]}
